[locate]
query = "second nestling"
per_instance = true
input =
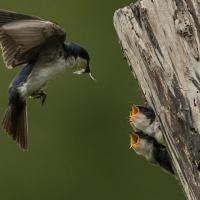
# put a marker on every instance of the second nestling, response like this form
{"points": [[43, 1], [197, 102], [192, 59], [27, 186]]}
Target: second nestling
{"points": [[149, 148]]}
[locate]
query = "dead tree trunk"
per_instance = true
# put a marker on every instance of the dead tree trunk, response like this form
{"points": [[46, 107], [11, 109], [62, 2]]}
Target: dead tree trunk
{"points": [[161, 42]]}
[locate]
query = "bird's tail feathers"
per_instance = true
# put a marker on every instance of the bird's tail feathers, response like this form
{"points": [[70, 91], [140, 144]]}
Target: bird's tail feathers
{"points": [[15, 123]]}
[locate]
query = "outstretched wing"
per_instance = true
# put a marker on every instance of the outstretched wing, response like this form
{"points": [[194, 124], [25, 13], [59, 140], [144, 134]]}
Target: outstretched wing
{"points": [[9, 16], [22, 39]]}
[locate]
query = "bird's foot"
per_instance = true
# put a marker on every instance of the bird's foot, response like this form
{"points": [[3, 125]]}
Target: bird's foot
{"points": [[40, 95]]}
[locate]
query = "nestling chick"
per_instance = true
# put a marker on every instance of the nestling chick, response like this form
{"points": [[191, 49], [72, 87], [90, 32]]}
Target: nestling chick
{"points": [[149, 148], [143, 119]]}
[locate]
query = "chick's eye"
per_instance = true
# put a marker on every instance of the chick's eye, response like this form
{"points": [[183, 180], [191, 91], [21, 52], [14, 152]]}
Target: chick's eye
{"points": [[143, 109], [146, 110]]}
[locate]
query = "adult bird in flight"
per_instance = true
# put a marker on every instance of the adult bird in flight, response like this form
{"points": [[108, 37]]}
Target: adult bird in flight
{"points": [[39, 47]]}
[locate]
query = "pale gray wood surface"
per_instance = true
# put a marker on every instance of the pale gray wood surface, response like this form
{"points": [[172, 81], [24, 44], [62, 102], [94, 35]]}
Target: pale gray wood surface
{"points": [[160, 40]]}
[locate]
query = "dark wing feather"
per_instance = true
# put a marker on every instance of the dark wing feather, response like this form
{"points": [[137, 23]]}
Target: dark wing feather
{"points": [[9, 16], [22, 40]]}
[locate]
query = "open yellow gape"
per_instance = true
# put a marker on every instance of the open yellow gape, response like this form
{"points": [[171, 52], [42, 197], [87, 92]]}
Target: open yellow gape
{"points": [[134, 140], [134, 112]]}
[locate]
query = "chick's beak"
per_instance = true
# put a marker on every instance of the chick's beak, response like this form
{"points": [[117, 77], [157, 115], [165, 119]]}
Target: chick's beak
{"points": [[87, 70], [134, 140], [134, 113]]}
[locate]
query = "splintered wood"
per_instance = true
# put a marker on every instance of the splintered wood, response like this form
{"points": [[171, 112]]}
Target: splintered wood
{"points": [[160, 40]]}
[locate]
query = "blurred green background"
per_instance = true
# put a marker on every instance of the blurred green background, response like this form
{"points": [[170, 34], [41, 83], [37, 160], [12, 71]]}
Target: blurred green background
{"points": [[78, 141]]}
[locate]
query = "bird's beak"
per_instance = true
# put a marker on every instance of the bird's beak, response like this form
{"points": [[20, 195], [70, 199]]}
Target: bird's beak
{"points": [[134, 140], [89, 72], [134, 112], [82, 71]]}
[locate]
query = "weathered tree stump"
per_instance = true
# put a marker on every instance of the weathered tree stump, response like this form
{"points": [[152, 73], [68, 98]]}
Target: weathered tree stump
{"points": [[161, 42]]}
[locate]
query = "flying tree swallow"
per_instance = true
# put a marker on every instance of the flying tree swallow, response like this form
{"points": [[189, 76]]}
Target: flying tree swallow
{"points": [[143, 118], [39, 46], [149, 148]]}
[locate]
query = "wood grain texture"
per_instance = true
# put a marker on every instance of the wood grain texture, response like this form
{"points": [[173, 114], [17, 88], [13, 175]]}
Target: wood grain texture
{"points": [[161, 42]]}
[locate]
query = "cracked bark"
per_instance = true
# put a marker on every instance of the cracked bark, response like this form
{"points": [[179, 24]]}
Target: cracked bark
{"points": [[161, 42]]}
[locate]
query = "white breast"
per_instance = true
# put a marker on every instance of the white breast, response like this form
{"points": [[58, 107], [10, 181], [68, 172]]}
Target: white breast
{"points": [[145, 149], [141, 122], [41, 74], [48, 71]]}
